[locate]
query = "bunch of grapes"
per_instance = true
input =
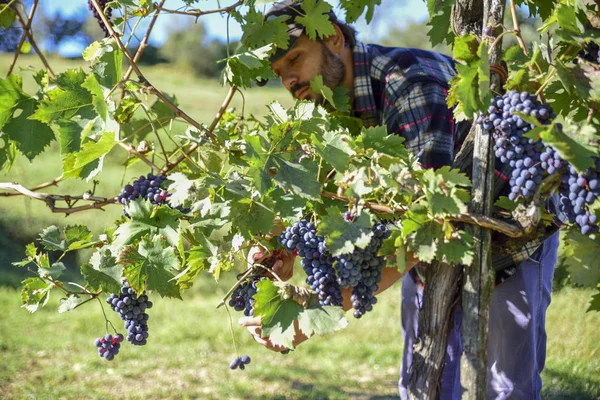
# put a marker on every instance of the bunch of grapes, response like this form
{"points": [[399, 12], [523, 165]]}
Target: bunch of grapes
{"points": [[148, 187], [591, 52], [107, 11], [242, 297], [108, 346], [577, 192], [370, 266], [240, 362], [317, 262], [131, 309], [523, 154]]}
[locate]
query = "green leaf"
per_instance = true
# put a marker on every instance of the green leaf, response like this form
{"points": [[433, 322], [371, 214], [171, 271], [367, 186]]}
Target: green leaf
{"points": [[93, 86], [51, 239], [505, 203], [30, 250], [595, 302], [338, 97], [458, 250], [333, 147], [415, 218], [252, 217], [355, 8], [103, 272], [573, 79], [69, 135], [376, 138], [258, 32], [278, 315], [78, 237], [7, 16], [582, 260], [197, 261], [54, 271], [31, 137], [245, 68], [440, 26], [149, 266], [296, 178], [424, 241], [69, 303], [145, 220], [35, 293], [321, 320], [67, 100], [107, 61], [316, 21], [11, 94], [179, 189], [343, 236]]}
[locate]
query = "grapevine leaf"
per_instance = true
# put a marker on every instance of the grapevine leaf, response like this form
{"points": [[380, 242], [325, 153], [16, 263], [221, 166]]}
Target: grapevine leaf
{"points": [[149, 266], [93, 86], [54, 271], [573, 79], [321, 320], [289, 207], [31, 136], [30, 250], [582, 260], [338, 97], [457, 250], [69, 135], [278, 315], [296, 178], [51, 239], [243, 69], [316, 21], [342, 236], [11, 94], [595, 302], [197, 261], [103, 272], [505, 203], [334, 149], [355, 8], [69, 303], [179, 189], [453, 176], [35, 292], [252, 217], [440, 27], [415, 218], [78, 237], [424, 241], [66, 101], [145, 220], [107, 61], [376, 138], [92, 151], [258, 32], [7, 16]]}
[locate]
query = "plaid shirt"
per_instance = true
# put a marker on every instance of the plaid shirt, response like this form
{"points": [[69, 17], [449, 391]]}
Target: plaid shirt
{"points": [[405, 90]]}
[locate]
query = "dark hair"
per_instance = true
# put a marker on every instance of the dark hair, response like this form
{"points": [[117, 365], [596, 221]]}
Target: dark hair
{"points": [[348, 31]]}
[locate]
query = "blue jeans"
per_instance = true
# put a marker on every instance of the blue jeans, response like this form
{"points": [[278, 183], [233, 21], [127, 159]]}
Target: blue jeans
{"points": [[516, 351]]}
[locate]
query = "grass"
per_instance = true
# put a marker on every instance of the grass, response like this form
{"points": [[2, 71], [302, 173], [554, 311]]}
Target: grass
{"points": [[49, 355]]}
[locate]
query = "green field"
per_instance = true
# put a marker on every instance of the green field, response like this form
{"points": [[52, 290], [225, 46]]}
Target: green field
{"points": [[51, 356]]}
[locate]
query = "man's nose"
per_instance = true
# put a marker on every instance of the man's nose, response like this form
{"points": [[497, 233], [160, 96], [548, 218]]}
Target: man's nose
{"points": [[289, 80]]}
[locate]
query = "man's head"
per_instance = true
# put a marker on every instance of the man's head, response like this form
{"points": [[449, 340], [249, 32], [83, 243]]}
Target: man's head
{"points": [[304, 59]]}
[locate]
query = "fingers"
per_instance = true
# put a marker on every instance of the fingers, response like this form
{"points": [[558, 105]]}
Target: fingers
{"points": [[250, 321], [253, 326]]}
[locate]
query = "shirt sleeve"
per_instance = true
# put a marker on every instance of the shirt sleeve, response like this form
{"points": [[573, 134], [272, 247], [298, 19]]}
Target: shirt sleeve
{"points": [[418, 112]]}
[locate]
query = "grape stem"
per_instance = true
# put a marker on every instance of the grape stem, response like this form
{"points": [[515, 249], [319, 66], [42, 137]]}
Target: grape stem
{"points": [[197, 13], [248, 272]]}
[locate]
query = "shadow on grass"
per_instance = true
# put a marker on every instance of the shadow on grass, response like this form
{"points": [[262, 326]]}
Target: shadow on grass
{"points": [[560, 386]]}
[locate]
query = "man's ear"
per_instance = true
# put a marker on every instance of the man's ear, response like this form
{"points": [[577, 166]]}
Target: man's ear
{"points": [[336, 42]]}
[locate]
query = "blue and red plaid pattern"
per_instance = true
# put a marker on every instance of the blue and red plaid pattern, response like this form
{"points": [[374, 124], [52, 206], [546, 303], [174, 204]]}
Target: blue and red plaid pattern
{"points": [[405, 90]]}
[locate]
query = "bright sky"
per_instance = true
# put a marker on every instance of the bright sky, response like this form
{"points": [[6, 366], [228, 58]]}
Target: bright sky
{"points": [[399, 15]]}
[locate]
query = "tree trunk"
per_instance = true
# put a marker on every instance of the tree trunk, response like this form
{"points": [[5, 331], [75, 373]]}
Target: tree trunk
{"points": [[441, 293]]}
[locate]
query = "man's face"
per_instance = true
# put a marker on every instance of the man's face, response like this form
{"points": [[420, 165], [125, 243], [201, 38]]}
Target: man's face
{"points": [[303, 62]]}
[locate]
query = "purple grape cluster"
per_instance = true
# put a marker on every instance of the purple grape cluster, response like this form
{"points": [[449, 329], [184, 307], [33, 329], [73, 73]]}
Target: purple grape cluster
{"points": [[316, 261], [107, 11], [577, 192], [131, 309], [365, 274], [240, 362], [591, 52], [108, 346], [242, 297], [147, 187], [523, 154]]}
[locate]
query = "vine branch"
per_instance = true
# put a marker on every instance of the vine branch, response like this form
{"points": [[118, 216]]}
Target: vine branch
{"points": [[23, 37], [197, 12]]}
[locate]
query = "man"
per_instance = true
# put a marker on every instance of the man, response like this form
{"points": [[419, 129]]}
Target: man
{"points": [[406, 90]]}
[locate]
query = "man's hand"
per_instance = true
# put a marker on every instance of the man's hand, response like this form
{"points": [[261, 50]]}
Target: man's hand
{"points": [[283, 266], [253, 324]]}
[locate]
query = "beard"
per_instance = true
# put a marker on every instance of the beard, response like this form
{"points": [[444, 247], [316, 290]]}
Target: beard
{"points": [[332, 70]]}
